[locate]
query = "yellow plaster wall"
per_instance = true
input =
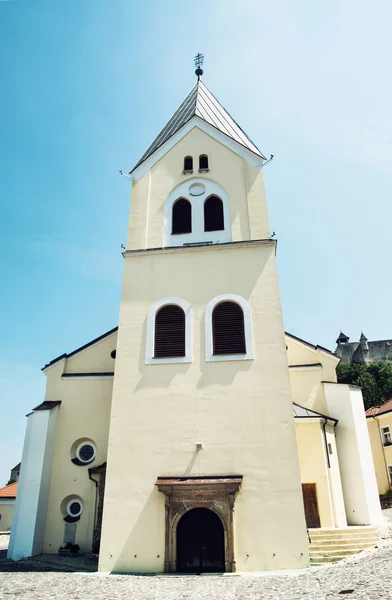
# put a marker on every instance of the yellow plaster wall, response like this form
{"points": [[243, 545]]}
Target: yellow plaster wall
{"points": [[6, 512], [240, 410], [382, 455], [307, 389], [94, 359], [242, 181], [84, 413], [313, 466]]}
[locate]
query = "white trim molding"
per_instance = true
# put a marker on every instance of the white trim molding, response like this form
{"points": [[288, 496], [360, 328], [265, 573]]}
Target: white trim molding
{"points": [[236, 147], [150, 337], [74, 501], [205, 189], [209, 345]]}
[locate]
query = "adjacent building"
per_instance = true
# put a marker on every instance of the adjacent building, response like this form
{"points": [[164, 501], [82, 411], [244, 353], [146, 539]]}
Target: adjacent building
{"points": [[7, 505], [379, 420], [196, 435]]}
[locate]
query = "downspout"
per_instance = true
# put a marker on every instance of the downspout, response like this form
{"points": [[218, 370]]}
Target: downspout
{"points": [[96, 500], [331, 488]]}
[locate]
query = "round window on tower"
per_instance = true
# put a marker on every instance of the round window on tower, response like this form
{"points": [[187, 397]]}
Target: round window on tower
{"points": [[75, 508], [83, 452], [71, 508], [86, 452]]}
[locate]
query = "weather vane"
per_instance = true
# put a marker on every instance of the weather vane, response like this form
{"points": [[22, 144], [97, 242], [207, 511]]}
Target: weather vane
{"points": [[199, 59]]}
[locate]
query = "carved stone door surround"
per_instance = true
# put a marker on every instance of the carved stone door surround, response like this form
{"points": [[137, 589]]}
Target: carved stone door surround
{"points": [[185, 493]]}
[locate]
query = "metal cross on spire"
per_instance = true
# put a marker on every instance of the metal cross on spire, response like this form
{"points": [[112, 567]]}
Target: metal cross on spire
{"points": [[199, 59]]}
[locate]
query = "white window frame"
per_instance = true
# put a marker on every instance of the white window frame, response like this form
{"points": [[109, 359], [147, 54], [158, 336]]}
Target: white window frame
{"points": [[150, 337], [209, 343], [389, 434], [80, 502], [86, 443], [198, 235]]}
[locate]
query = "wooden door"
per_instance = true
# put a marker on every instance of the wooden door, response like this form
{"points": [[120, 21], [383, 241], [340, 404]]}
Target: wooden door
{"points": [[309, 494]]}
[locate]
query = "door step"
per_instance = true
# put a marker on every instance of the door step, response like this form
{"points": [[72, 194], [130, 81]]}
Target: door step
{"points": [[331, 545]]}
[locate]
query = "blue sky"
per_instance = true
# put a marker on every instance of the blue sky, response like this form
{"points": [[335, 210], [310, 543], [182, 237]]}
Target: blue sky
{"points": [[86, 86]]}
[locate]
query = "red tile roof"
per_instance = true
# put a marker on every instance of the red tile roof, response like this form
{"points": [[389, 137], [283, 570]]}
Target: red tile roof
{"points": [[9, 491], [378, 410]]}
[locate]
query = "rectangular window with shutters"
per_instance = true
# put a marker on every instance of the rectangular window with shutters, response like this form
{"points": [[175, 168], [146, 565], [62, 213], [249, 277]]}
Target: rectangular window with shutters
{"points": [[390, 473], [386, 436]]}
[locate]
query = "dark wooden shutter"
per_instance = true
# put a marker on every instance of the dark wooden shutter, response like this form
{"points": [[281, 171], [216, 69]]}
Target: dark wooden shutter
{"points": [[169, 332], [182, 216], [228, 329], [311, 505], [203, 162], [213, 214], [188, 163]]}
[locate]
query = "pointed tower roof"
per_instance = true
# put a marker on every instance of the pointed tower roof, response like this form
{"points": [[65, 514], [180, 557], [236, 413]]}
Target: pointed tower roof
{"points": [[342, 338], [202, 104], [363, 337]]}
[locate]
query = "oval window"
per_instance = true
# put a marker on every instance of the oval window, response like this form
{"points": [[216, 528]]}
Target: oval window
{"points": [[86, 452], [75, 508]]}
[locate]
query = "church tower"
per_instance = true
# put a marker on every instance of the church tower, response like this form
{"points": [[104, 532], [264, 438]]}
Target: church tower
{"points": [[202, 470]]}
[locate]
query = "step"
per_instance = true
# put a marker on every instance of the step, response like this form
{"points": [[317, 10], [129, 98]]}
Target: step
{"points": [[348, 530], [320, 560], [346, 540], [314, 547], [345, 536], [340, 553]]}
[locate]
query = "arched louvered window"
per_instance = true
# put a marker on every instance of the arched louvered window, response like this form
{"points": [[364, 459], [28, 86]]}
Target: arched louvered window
{"points": [[182, 216], [203, 162], [228, 329], [213, 214], [188, 163], [169, 340]]}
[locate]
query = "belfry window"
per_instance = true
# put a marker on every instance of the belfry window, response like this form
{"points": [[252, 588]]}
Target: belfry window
{"points": [[169, 338], [188, 164], [182, 216], [203, 162], [228, 329], [213, 214]]}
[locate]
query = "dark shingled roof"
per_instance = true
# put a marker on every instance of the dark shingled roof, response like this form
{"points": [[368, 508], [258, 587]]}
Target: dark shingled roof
{"points": [[201, 103]]}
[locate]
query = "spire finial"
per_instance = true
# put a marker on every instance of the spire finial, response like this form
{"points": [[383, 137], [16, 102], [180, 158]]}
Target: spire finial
{"points": [[199, 59]]}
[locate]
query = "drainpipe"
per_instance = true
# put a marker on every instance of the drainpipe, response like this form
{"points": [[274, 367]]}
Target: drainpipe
{"points": [[325, 442], [96, 499], [331, 488]]}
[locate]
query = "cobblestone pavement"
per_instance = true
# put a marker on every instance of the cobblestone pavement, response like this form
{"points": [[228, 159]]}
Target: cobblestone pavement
{"points": [[367, 576]]}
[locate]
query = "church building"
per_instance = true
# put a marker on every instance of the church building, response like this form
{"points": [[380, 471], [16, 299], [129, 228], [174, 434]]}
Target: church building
{"points": [[196, 436]]}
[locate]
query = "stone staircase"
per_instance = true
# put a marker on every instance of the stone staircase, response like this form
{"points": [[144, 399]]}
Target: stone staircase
{"points": [[331, 545]]}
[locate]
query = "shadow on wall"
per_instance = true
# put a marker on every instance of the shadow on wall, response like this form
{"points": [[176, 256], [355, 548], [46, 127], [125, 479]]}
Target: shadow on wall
{"points": [[143, 546]]}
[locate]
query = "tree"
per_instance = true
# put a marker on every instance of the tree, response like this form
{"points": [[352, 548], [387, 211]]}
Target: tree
{"points": [[12, 480], [374, 379]]}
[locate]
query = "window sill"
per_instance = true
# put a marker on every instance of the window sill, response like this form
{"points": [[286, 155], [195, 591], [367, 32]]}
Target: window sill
{"points": [[229, 357], [150, 360], [204, 170], [187, 172]]}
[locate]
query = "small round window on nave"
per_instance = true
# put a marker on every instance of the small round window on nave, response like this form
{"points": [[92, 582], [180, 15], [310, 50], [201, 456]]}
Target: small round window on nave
{"points": [[74, 508], [86, 452]]}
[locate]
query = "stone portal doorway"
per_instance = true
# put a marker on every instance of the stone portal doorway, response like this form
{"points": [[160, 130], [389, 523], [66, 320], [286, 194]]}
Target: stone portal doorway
{"points": [[200, 542], [199, 516]]}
